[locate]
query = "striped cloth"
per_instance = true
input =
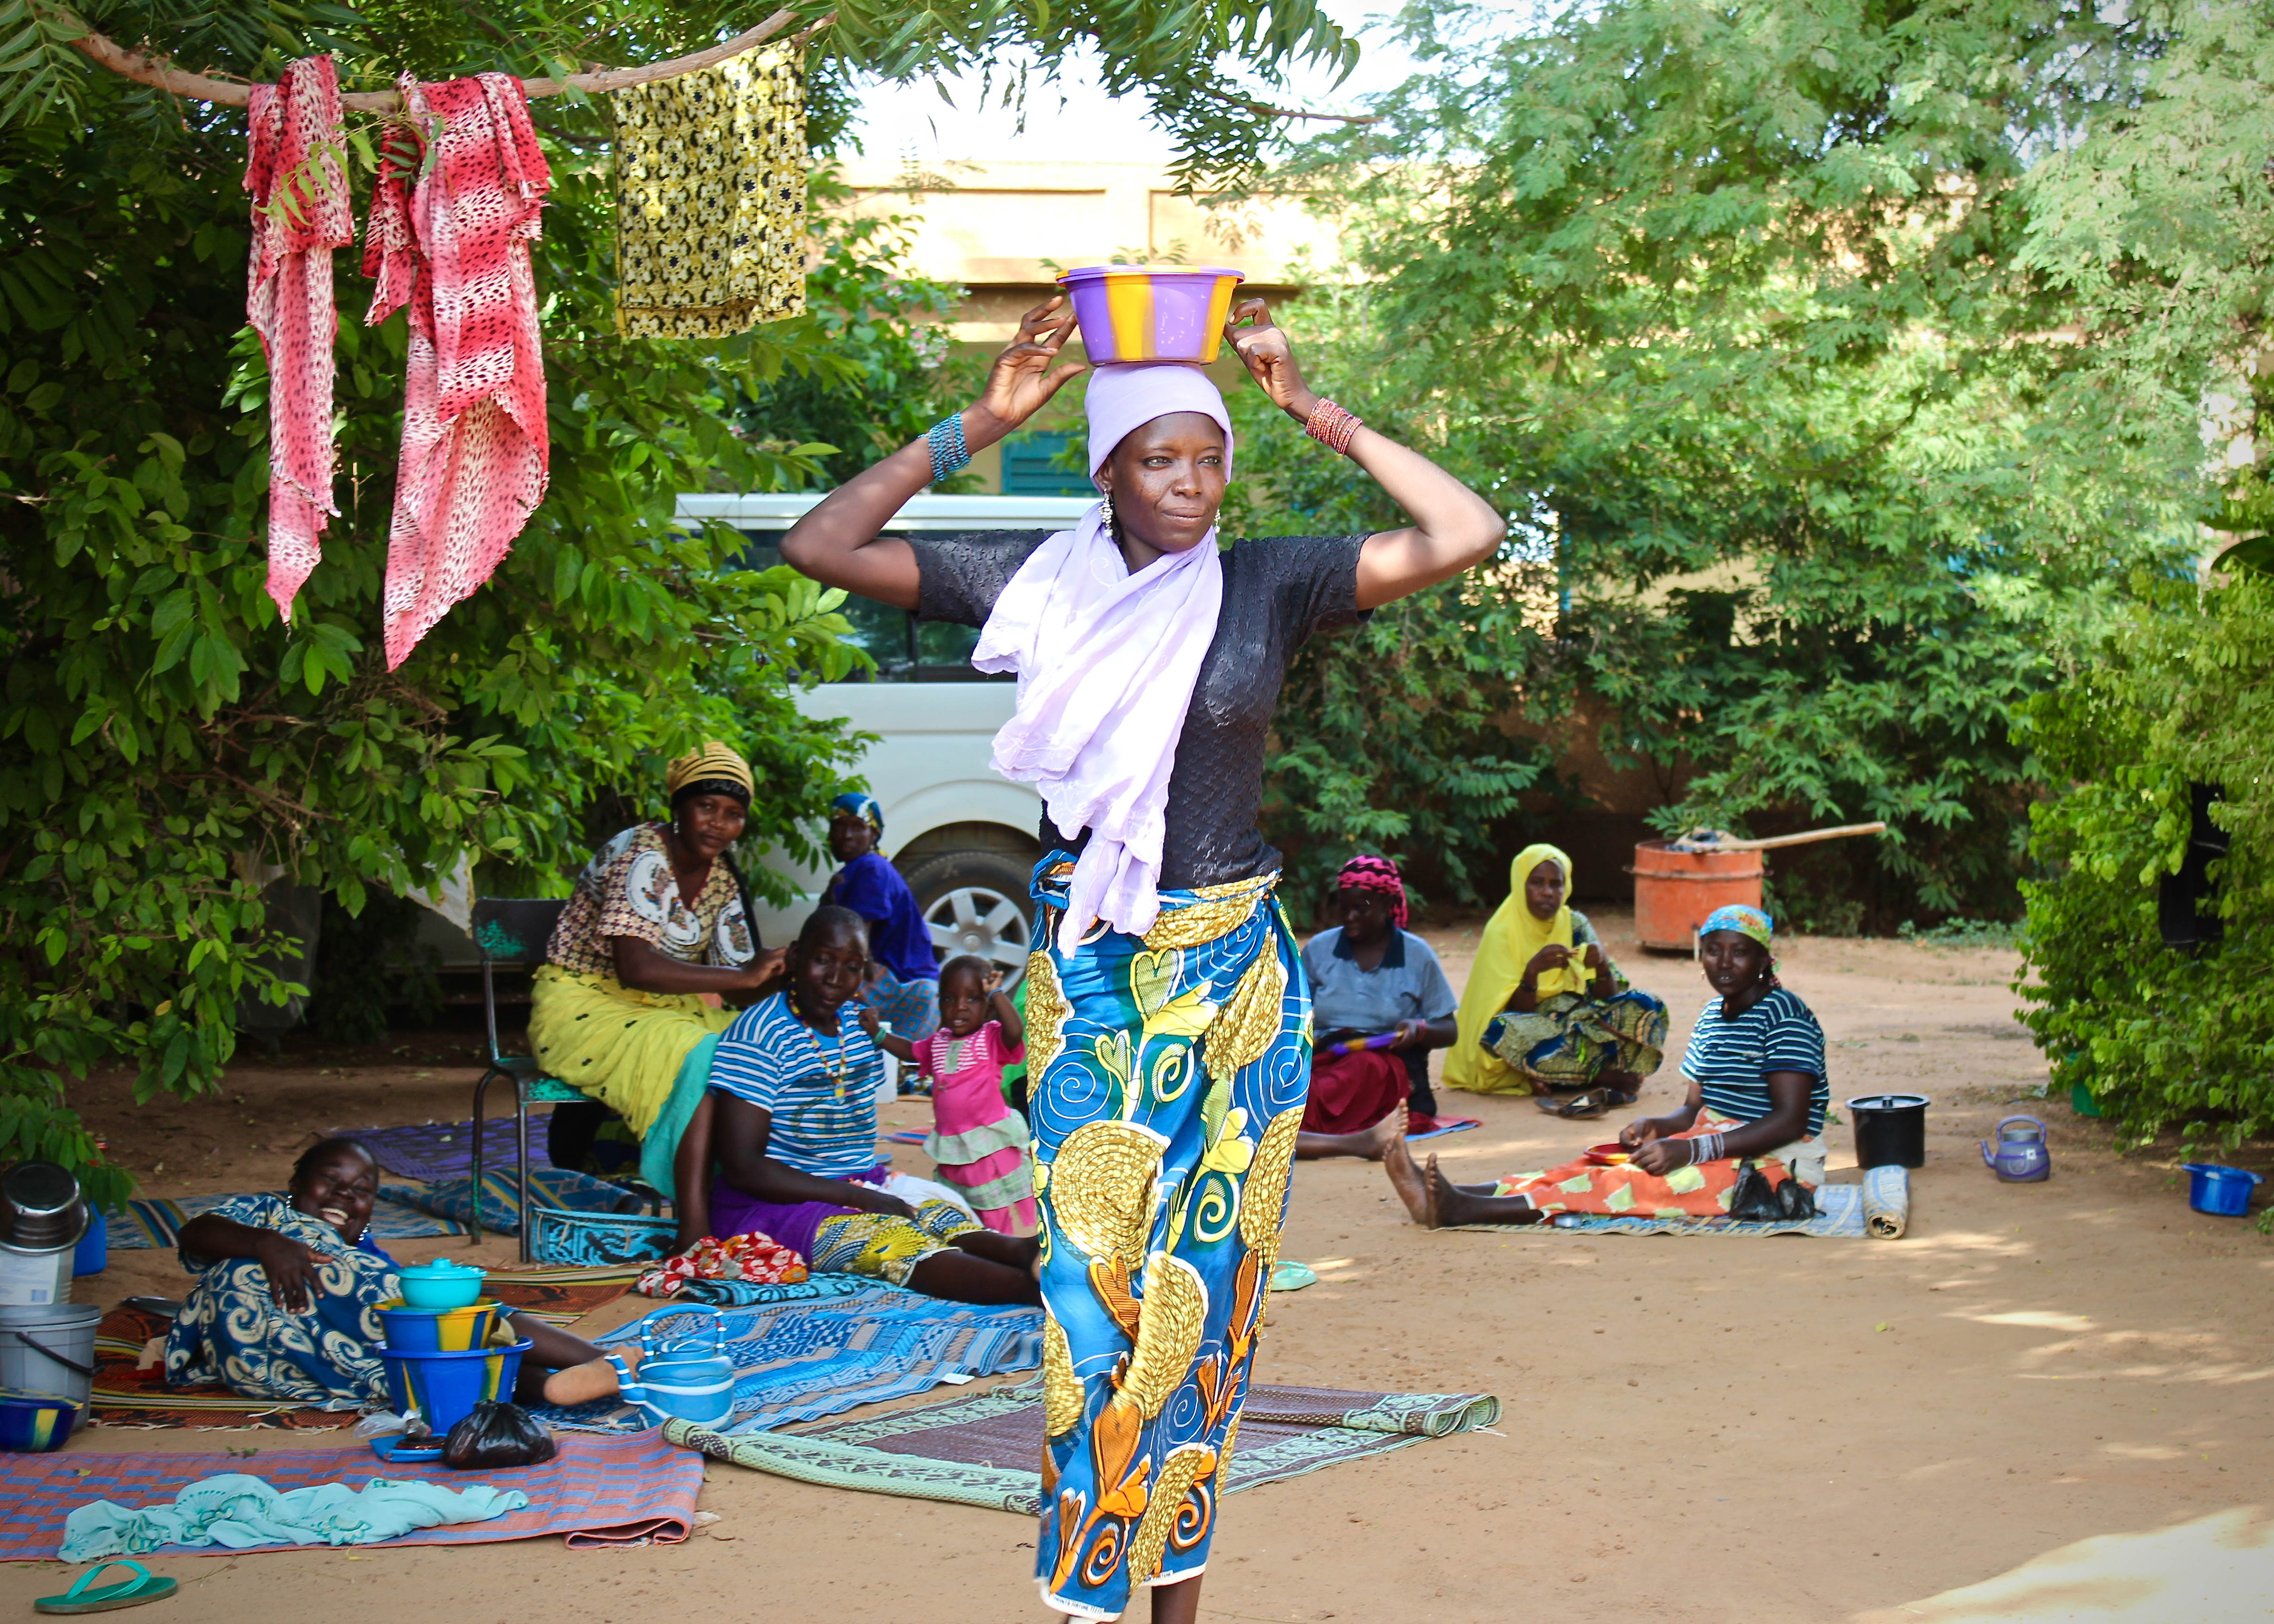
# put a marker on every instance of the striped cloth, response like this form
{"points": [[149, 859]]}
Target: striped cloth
{"points": [[822, 1096], [597, 1492], [1729, 1059]]}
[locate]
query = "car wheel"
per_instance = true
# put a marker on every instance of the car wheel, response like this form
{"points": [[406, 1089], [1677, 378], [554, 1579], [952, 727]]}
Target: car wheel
{"points": [[976, 902]]}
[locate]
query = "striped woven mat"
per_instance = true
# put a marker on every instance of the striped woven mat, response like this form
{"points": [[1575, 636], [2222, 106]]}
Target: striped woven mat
{"points": [[981, 1451]]}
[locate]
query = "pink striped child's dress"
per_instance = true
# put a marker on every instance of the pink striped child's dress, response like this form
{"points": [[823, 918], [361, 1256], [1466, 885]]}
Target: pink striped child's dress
{"points": [[979, 1142]]}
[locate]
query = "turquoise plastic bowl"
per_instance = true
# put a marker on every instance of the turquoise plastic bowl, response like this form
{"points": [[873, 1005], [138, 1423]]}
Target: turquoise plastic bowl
{"points": [[36, 1423], [424, 1287]]}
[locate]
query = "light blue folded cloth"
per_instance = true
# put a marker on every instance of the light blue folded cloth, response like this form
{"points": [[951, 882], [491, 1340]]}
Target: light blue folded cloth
{"points": [[237, 1511]]}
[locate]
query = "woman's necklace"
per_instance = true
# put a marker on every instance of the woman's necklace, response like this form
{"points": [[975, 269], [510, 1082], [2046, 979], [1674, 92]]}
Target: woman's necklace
{"points": [[834, 1064]]}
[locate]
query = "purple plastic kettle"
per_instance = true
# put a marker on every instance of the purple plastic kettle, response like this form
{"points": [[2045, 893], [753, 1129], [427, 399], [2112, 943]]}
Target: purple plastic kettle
{"points": [[2020, 1157]]}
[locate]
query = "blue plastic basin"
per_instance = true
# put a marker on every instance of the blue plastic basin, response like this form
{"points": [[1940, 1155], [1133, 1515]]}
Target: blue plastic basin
{"points": [[2222, 1192]]}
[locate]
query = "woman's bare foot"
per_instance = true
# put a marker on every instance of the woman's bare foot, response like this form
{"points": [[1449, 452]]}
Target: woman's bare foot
{"points": [[1388, 1132], [580, 1384], [1406, 1179], [1449, 1203]]}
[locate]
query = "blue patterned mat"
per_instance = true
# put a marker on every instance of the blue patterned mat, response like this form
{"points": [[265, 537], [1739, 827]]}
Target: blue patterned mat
{"points": [[829, 1345], [158, 1223]]}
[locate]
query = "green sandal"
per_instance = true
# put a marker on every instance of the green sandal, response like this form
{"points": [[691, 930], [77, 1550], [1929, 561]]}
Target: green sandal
{"points": [[144, 1586]]}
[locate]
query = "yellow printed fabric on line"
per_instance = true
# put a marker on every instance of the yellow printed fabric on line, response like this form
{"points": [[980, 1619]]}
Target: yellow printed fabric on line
{"points": [[711, 198]]}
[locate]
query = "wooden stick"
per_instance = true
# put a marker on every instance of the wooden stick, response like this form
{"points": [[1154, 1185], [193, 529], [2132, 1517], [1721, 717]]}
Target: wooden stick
{"points": [[161, 74], [1776, 841]]}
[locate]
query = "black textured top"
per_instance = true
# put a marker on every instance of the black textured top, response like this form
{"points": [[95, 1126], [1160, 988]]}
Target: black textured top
{"points": [[1277, 591]]}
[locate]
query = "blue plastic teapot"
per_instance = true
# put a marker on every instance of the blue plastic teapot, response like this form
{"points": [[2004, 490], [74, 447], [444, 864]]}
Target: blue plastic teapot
{"points": [[689, 1378], [2021, 1156]]}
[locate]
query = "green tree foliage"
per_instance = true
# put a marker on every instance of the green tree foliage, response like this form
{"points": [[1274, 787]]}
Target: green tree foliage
{"points": [[166, 743], [1737, 297], [2160, 227], [2161, 1037]]}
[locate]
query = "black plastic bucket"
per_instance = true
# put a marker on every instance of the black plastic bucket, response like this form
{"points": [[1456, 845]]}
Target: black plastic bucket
{"points": [[1890, 1129]]}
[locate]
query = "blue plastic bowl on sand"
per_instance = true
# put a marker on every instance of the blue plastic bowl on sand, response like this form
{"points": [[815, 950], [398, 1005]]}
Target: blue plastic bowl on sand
{"points": [[36, 1423], [2222, 1192]]}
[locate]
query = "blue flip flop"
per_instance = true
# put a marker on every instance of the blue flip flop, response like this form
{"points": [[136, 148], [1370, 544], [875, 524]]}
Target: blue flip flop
{"points": [[144, 1586]]}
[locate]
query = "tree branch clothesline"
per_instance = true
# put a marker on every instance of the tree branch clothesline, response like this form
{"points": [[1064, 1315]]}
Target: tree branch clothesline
{"points": [[161, 74]]}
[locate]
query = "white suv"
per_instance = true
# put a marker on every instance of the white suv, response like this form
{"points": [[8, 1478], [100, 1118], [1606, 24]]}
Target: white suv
{"points": [[965, 838]]}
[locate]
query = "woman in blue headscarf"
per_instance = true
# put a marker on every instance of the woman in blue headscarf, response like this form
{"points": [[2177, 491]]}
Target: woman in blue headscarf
{"points": [[903, 986]]}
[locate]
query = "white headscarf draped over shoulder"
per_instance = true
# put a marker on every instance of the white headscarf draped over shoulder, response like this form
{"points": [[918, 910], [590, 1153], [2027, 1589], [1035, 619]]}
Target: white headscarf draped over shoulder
{"points": [[1106, 661]]}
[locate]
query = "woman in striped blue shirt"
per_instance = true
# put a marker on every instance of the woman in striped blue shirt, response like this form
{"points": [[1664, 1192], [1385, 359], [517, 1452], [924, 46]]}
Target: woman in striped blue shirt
{"points": [[1758, 1095]]}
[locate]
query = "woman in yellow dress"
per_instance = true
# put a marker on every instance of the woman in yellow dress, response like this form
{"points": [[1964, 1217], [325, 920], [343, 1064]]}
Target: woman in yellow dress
{"points": [[631, 1000], [1546, 1008]]}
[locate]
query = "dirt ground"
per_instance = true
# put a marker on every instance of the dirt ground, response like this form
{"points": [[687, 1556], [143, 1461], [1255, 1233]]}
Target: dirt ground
{"points": [[2052, 1393]]}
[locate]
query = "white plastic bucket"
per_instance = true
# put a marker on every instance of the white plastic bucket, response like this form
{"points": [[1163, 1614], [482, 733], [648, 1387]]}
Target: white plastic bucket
{"points": [[49, 1348]]}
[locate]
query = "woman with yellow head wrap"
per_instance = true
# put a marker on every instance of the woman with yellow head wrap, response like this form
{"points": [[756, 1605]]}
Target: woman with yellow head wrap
{"points": [[629, 1003], [1546, 1008]]}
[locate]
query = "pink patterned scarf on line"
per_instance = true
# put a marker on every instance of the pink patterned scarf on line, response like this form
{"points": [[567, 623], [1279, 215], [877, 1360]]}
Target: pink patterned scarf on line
{"points": [[300, 213], [1106, 662], [451, 221]]}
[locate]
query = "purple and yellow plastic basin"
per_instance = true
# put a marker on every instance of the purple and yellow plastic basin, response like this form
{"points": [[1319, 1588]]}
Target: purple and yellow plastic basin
{"points": [[1150, 313]]}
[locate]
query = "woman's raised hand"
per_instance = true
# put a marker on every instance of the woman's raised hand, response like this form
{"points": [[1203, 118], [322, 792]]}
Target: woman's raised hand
{"points": [[1270, 358], [1024, 376]]}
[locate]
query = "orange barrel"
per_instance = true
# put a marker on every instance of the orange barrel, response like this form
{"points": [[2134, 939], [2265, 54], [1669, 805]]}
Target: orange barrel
{"points": [[1675, 891]]}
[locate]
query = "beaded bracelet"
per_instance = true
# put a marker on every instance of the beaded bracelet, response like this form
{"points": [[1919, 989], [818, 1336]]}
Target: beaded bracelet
{"points": [[949, 454], [1331, 426], [1705, 1147]]}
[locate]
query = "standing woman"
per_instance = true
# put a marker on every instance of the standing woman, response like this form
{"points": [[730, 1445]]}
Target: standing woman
{"points": [[1168, 1017]]}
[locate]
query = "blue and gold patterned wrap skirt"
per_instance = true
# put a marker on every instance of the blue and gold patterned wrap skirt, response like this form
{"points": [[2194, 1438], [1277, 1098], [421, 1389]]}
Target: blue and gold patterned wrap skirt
{"points": [[1169, 1074]]}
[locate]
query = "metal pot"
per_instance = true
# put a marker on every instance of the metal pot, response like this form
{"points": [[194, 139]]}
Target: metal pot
{"points": [[41, 1208]]}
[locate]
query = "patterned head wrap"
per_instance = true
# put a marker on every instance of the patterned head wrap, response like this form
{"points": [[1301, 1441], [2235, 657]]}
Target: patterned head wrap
{"points": [[864, 808], [1750, 923], [1744, 921], [1363, 873], [714, 769]]}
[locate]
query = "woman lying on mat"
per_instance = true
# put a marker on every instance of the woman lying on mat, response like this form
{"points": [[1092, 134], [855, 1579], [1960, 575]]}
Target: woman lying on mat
{"points": [[1758, 1095], [283, 1306], [1546, 1009], [791, 1125], [626, 1006], [1379, 1003]]}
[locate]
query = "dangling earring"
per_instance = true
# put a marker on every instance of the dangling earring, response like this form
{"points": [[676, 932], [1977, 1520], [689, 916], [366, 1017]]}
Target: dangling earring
{"points": [[1106, 516]]}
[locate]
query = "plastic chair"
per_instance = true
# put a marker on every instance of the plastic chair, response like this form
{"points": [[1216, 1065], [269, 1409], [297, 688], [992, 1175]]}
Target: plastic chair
{"points": [[513, 931]]}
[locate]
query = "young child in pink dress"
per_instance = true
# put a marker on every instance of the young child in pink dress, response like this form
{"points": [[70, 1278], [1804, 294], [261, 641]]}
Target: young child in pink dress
{"points": [[978, 1142]]}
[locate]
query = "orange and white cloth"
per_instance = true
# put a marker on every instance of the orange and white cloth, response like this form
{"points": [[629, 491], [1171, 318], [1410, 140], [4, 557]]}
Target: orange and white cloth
{"points": [[1626, 1192], [300, 213], [451, 220]]}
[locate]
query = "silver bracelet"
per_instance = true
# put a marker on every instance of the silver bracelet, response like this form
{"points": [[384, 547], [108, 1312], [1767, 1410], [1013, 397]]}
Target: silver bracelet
{"points": [[1705, 1147]]}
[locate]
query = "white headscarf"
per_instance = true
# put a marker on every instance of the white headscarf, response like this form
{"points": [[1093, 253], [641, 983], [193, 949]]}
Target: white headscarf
{"points": [[1106, 661]]}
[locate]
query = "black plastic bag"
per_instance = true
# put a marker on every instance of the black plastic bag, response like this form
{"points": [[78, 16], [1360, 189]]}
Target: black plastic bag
{"points": [[1754, 1202], [495, 1435]]}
